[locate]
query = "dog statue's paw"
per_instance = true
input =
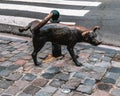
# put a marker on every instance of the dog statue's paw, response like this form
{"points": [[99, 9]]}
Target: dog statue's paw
{"points": [[78, 64], [38, 64]]}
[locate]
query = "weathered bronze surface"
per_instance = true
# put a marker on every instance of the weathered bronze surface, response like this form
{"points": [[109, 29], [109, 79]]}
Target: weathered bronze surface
{"points": [[56, 48], [64, 35]]}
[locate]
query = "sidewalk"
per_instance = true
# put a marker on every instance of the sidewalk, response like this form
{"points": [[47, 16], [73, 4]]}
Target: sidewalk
{"points": [[99, 75]]}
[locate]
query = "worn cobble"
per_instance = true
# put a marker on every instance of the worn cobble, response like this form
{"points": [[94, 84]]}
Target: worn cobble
{"points": [[99, 75]]}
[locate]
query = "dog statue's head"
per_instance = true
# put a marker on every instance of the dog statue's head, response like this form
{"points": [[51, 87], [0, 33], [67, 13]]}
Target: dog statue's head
{"points": [[90, 36]]}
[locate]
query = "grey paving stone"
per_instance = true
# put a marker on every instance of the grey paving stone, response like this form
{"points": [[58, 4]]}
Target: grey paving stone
{"points": [[97, 76], [21, 54], [104, 86], [24, 94], [56, 83], [48, 75], [81, 75], [96, 55], [5, 72], [42, 55], [72, 83], [100, 69], [62, 76], [115, 70], [112, 75], [11, 49], [85, 89], [53, 70], [43, 94], [40, 82], [87, 50], [32, 90], [5, 95], [2, 68], [109, 80], [29, 77], [14, 58], [6, 63], [14, 76], [115, 92], [78, 94], [48, 89], [4, 84], [13, 67], [118, 83], [89, 81], [103, 64], [107, 59]]}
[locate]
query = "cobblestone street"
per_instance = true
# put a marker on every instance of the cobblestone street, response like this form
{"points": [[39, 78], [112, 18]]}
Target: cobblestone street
{"points": [[99, 75]]}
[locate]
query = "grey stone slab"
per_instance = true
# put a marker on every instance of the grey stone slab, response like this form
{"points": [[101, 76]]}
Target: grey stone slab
{"points": [[14, 76], [48, 75], [29, 77], [118, 83], [4, 84], [103, 64], [53, 70], [5, 95], [62, 76], [89, 81], [32, 90], [14, 58], [109, 80], [24, 94], [13, 67], [112, 75], [40, 82], [5, 72], [43, 94], [107, 59], [115, 70], [115, 92], [100, 69], [56, 83], [72, 83], [85, 89], [2, 68], [81, 75], [6, 63], [104, 87], [48, 89]]}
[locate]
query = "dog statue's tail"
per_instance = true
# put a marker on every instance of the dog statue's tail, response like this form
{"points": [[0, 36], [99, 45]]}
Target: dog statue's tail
{"points": [[21, 29], [42, 23]]}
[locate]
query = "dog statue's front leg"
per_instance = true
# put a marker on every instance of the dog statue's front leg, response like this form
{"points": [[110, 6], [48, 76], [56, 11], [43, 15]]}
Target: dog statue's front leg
{"points": [[34, 56], [37, 44], [74, 57]]}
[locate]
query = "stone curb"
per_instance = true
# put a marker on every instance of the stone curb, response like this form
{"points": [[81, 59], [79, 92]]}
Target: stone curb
{"points": [[12, 29]]}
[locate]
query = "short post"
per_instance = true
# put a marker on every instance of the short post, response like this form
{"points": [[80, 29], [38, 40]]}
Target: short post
{"points": [[56, 48]]}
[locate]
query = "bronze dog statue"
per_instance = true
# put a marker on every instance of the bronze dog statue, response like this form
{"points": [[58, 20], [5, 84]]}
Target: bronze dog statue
{"points": [[61, 34]]}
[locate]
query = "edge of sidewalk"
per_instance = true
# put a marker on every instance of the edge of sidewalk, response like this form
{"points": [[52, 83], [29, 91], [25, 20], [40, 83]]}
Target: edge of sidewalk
{"points": [[13, 30]]}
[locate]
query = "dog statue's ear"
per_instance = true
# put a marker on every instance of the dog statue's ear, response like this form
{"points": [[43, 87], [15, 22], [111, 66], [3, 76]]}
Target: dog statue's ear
{"points": [[95, 28], [84, 33]]}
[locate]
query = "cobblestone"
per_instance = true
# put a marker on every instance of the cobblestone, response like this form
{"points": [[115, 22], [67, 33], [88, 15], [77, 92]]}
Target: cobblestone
{"points": [[40, 82], [29, 77], [32, 90], [99, 75], [115, 92], [85, 89]]}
